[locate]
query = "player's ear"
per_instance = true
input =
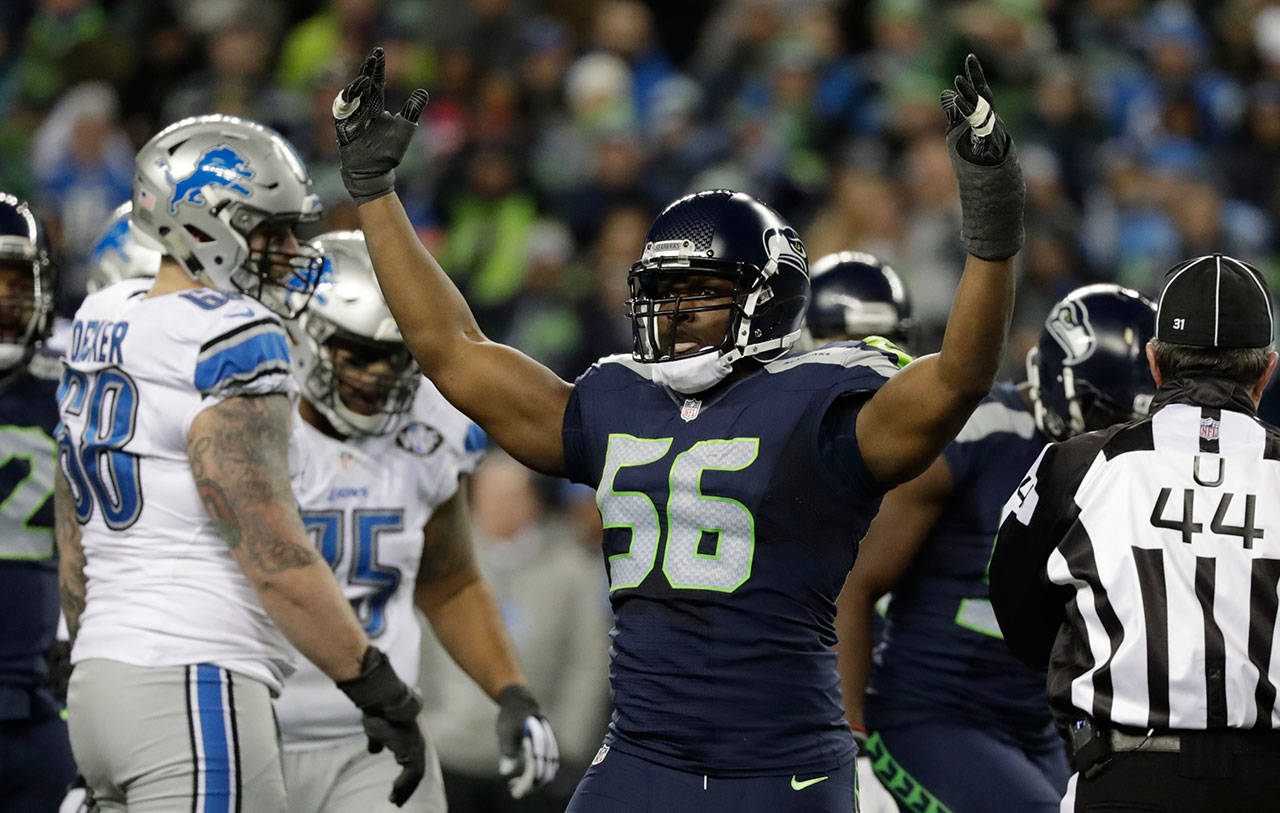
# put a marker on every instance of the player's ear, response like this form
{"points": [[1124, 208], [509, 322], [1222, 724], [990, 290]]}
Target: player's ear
{"points": [[1265, 378], [1155, 368]]}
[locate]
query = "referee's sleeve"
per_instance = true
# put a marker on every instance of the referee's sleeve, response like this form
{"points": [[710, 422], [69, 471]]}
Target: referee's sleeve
{"points": [[1028, 607]]}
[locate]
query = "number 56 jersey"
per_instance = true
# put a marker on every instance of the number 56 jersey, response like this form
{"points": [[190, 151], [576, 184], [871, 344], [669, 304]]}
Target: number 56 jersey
{"points": [[729, 529], [163, 589]]}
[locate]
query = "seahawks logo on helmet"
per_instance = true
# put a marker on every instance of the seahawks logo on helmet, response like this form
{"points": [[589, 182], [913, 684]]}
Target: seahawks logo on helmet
{"points": [[419, 439], [785, 246], [220, 166], [1070, 328]]}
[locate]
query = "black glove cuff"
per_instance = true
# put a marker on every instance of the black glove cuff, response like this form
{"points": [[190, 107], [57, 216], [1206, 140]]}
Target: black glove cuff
{"points": [[378, 691], [991, 202], [517, 700], [366, 188]]}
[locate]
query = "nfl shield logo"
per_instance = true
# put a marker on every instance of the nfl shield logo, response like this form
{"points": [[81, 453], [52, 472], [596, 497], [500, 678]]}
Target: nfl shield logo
{"points": [[690, 410], [1209, 428]]}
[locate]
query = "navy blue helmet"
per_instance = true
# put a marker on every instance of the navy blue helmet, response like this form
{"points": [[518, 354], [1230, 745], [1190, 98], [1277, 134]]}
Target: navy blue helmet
{"points": [[26, 283], [729, 235], [1089, 370], [854, 295]]}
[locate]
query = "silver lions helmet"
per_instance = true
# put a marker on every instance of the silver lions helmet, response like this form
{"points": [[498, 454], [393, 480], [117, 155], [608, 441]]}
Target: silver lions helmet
{"points": [[222, 195], [349, 357], [119, 255]]}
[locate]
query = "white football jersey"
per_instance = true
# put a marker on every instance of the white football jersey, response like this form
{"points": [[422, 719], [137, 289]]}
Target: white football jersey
{"points": [[365, 502], [163, 589]]}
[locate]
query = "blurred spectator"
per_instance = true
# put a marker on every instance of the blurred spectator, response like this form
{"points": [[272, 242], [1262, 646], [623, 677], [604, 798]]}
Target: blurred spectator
{"points": [[58, 48], [544, 322], [553, 595], [84, 163], [234, 79], [625, 28], [334, 39], [487, 231]]}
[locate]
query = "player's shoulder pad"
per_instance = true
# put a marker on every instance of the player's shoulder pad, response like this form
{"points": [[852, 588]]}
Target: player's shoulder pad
{"points": [[1000, 412], [614, 372], [858, 363], [243, 342]]}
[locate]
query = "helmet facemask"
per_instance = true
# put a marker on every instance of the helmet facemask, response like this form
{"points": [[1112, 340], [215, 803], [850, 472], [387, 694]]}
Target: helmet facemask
{"points": [[356, 399], [26, 295], [282, 280], [658, 308]]}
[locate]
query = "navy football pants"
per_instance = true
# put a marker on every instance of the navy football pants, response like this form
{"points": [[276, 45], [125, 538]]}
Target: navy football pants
{"points": [[944, 765], [35, 764], [622, 783]]}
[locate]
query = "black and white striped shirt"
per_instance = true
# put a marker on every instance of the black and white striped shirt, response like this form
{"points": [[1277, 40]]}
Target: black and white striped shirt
{"points": [[1141, 564]]}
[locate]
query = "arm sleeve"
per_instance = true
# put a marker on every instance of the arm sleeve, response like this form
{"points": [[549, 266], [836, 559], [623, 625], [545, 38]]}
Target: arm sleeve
{"points": [[838, 444], [1030, 609], [573, 435], [250, 359]]}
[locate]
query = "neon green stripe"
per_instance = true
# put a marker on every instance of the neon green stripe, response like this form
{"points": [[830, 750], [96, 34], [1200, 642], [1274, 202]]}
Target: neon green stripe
{"points": [[909, 792]]}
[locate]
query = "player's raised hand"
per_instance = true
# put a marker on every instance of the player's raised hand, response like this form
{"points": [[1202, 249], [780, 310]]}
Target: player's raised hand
{"points": [[528, 754], [371, 141], [390, 720], [992, 193]]}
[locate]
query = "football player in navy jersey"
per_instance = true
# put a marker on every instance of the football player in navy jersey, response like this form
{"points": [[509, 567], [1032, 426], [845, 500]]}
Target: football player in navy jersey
{"points": [[731, 476], [35, 754], [956, 722]]}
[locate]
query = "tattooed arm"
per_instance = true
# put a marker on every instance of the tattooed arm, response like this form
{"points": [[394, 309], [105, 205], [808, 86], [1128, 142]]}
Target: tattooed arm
{"points": [[462, 609], [71, 578], [240, 461]]}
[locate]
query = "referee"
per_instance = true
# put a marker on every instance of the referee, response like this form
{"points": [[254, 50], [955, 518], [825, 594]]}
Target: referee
{"points": [[1140, 564]]}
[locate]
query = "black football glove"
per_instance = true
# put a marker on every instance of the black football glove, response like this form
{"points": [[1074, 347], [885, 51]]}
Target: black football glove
{"points": [[528, 754], [371, 141], [985, 161], [390, 719], [58, 659]]}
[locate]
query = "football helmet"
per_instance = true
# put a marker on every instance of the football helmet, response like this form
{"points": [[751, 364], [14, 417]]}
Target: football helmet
{"points": [[853, 295], [203, 184], [27, 283], [733, 236], [346, 330], [1089, 370], [118, 255]]}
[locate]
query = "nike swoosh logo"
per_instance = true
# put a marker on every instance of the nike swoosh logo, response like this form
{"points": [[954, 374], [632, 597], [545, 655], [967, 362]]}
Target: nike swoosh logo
{"points": [[798, 785]]}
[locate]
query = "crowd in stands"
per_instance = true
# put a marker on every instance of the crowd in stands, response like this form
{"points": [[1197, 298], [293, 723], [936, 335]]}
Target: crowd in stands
{"points": [[1149, 131]]}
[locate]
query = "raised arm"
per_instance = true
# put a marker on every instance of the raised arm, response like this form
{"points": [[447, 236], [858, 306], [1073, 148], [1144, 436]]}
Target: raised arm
{"points": [[464, 615], [906, 424], [517, 401], [906, 516]]}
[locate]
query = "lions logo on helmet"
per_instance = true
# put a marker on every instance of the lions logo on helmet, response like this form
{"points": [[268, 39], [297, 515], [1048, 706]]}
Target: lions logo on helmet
{"points": [[220, 166], [119, 255], [1089, 370]]}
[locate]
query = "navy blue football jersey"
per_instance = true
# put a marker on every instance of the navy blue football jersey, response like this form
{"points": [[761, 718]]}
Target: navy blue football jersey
{"points": [[941, 648], [727, 539], [28, 566]]}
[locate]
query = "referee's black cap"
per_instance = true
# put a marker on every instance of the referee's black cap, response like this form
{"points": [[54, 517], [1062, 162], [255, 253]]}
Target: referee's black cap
{"points": [[1215, 301]]}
